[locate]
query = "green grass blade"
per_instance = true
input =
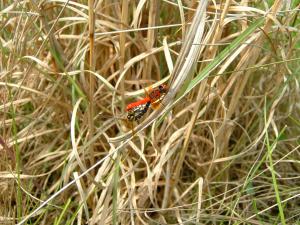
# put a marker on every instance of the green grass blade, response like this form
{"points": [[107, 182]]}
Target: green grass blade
{"points": [[63, 212], [270, 149], [222, 56]]}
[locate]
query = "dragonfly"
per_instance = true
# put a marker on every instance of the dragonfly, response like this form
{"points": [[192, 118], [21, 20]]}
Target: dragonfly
{"points": [[154, 96]]}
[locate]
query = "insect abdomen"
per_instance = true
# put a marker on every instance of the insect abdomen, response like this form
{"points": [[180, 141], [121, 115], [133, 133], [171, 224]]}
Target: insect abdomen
{"points": [[137, 112]]}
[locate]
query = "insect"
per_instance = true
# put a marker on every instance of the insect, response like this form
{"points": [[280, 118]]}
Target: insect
{"points": [[136, 110]]}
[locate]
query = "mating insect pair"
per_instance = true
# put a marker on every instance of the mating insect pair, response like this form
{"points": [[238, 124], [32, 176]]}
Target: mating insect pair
{"points": [[136, 110]]}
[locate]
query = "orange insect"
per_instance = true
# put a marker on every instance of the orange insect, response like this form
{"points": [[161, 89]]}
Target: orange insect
{"points": [[136, 110]]}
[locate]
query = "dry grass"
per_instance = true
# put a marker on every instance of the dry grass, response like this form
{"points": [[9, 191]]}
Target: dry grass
{"points": [[223, 148]]}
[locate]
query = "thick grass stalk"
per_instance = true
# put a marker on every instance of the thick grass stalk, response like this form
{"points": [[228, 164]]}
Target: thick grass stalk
{"points": [[152, 18], [116, 184], [91, 77], [124, 18]]}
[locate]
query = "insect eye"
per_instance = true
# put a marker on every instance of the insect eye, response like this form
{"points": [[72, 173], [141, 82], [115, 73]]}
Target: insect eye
{"points": [[162, 88]]}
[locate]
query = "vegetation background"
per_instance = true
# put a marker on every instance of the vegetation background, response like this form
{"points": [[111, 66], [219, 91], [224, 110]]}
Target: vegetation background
{"points": [[226, 153]]}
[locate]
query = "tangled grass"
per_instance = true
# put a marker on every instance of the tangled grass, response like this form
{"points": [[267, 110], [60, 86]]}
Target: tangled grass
{"points": [[223, 147]]}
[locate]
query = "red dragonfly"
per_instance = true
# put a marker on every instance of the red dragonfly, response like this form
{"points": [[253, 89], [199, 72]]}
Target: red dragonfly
{"points": [[136, 110]]}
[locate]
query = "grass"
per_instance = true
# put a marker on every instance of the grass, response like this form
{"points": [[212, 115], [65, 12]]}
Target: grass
{"points": [[223, 147]]}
